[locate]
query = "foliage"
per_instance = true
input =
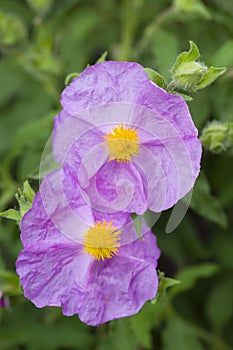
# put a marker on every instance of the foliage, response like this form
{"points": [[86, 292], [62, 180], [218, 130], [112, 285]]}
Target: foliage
{"points": [[41, 42]]}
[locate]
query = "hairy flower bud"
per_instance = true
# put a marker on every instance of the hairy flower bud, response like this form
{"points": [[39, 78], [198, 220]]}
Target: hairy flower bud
{"points": [[217, 137], [189, 74]]}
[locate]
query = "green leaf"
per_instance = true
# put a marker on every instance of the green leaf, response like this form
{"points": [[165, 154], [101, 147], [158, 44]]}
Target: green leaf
{"points": [[192, 6], [219, 308], [58, 332], [70, 77], [25, 198], [9, 283], [12, 78], [28, 192], [207, 205], [24, 205], [119, 336], [148, 318], [224, 56], [221, 248], [164, 284], [185, 96], [156, 77], [102, 57], [178, 335], [11, 214], [210, 76], [142, 324], [189, 276], [187, 56]]}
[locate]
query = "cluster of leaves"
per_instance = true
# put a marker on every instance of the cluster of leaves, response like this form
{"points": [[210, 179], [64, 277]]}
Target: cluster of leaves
{"points": [[42, 42]]}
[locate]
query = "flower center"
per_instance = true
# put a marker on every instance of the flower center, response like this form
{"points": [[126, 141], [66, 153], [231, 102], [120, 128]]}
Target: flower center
{"points": [[122, 143], [101, 240]]}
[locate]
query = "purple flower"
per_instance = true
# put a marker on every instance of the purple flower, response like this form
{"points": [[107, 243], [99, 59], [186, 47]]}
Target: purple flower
{"points": [[124, 143], [87, 267]]}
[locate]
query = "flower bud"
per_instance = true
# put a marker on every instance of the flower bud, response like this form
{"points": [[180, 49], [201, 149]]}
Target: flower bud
{"points": [[189, 74], [217, 137]]}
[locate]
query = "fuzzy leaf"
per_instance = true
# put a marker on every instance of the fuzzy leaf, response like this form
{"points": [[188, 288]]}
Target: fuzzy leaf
{"points": [[156, 77], [164, 283], [102, 57], [210, 76], [187, 56], [70, 77], [11, 214], [28, 191]]}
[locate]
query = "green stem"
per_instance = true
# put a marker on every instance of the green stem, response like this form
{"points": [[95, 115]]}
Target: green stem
{"points": [[151, 28], [130, 10]]}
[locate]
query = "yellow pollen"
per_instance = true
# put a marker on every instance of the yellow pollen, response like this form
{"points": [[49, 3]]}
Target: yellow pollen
{"points": [[101, 240], [122, 143]]}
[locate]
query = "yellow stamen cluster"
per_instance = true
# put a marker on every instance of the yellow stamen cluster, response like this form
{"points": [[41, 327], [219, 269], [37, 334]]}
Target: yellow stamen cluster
{"points": [[101, 240], [122, 143]]}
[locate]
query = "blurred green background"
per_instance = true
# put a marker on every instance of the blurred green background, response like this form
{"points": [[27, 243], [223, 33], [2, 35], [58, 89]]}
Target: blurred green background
{"points": [[41, 42]]}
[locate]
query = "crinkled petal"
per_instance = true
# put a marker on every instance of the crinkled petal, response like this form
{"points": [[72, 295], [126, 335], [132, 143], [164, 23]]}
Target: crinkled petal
{"points": [[118, 186], [104, 186], [171, 106], [117, 287], [36, 225], [145, 248], [55, 271], [124, 82], [67, 131], [177, 164], [104, 83], [51, 219], [49, 273]]}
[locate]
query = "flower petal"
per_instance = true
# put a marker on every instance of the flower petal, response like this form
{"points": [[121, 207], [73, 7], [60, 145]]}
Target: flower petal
{"points": [[49, 273], [117, 287], [177, 164], [104, 83], [145, 249], [119, 186], [171, 106], [51, 218]]}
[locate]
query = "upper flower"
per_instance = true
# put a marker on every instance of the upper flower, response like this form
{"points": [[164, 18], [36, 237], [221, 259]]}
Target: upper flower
{"points": [[123, 142]]}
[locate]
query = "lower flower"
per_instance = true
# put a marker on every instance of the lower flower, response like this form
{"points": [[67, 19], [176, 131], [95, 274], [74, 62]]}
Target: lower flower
{"points": [[97, 275]]}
